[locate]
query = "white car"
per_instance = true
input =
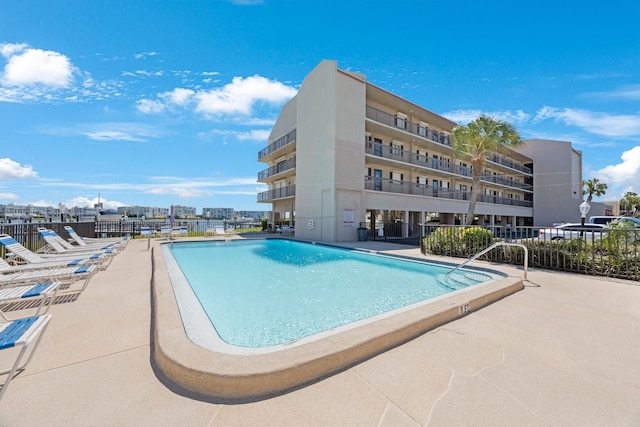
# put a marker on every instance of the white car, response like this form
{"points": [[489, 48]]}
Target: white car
{"points": [[573, 231]]}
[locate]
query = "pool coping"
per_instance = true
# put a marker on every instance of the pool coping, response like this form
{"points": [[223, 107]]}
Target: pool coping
{"points": [[240, 378]]}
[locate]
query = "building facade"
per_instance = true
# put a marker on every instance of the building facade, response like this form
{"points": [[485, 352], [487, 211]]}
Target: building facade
{"points": [[558, 182], [344, 153]]}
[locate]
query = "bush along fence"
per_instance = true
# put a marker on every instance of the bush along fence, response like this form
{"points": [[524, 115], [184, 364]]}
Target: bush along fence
{"points": [[614, 252]]}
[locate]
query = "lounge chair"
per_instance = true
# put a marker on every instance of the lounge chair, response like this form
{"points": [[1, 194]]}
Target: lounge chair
{"points": [[220, 231], [29, 274], [30, 257], [83, 241], [56, 244], [19, 295], [20, 337], [146, 232]]}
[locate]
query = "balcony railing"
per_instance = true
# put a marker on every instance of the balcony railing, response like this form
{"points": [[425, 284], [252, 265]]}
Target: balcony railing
{"points": [[277, 193], [408, 187], [432, 135], [276, 169], [404, 124], [434, 163], [279, 143]]}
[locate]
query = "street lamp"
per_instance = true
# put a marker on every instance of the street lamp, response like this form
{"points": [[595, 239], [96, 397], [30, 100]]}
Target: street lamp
{"points": [[584, 209]]}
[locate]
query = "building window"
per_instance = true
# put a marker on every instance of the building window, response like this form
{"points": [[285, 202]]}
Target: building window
{"points": [[377, 180], [435, 135], [396, 148], [422, 129], [401, 121]]}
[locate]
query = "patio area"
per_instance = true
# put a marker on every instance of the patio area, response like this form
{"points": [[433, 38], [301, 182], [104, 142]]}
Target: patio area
{"points": [[562, 352]]}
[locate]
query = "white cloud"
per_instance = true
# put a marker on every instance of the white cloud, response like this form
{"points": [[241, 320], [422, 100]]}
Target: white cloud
{"points": [[28, 66], [593, 122], [148, 106], [9, 49], [8, 196], [240, 97], [254, 135], [182, 192], [84, 202], [625, 174], [10, 169], [466, 116], [111, 135], [261, 135], [625, 93], [178, 96], [143, 55]]}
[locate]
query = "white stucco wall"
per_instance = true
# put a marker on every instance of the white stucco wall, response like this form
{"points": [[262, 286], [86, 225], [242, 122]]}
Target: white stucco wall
{"points": [[557, 178], [330, 140]]}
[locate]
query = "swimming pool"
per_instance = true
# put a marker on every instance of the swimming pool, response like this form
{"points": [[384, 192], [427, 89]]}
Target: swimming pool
{"points": [[264, 293], [188, 352]]}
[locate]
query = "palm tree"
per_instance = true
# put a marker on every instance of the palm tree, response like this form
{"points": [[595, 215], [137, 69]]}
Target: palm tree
{"points": [[593, 187], [476, 142], [631, 203]]}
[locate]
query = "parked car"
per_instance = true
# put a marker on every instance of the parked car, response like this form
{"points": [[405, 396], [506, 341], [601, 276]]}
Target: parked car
{"points": [[626, 220], [573, 231]]}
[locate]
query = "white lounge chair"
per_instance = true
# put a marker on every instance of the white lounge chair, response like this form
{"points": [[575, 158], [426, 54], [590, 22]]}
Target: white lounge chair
{"points": [[20, 337], [83, 241], [30, 257], [21, 295], [57, 245], [29, 274]]}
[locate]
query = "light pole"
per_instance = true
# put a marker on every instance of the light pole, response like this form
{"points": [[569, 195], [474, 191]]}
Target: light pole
{"points": [[584, 209]]}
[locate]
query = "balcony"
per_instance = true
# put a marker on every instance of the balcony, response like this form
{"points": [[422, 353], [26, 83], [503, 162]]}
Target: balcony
{"points": [[277, 193], [277, 170], [510, 164], [439, 137], [408, 126], [412, 188], [436, 164], [268, 153]]}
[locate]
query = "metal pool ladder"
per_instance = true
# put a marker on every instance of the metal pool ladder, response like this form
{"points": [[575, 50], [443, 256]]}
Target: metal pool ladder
{"points": [[495, 245]]}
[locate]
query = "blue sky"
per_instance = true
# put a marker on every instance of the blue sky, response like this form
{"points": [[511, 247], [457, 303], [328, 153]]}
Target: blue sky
{"points": [[168, 102]]}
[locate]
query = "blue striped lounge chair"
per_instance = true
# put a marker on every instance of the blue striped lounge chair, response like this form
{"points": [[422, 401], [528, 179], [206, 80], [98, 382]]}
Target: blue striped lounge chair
{"points": [[26, 274], [57, 245], [82, 241], [48, 260], [19, 338], [21, 295]]}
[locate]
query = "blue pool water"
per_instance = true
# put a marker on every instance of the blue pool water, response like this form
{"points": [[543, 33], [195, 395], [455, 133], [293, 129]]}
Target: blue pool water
{"points": [[261, 293]]}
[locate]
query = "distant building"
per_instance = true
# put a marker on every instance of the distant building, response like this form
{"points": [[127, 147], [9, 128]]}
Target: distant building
{"points": [[184, 211], [143, 211], [251, 214], [217, 213]]}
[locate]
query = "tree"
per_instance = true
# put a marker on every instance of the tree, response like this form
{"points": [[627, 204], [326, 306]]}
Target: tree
{"points": [[630, 202], [476, 142], [593, 187]]}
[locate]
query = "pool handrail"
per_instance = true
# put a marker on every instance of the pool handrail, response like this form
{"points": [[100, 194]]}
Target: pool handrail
{"points": [[495, 245]]}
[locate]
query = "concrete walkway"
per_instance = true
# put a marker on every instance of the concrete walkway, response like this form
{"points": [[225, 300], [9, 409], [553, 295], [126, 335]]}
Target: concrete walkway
{"points": [[565, 351]]}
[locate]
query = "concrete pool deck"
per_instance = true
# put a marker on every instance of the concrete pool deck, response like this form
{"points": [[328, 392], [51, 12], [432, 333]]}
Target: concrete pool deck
{"points": [[564, 351]]}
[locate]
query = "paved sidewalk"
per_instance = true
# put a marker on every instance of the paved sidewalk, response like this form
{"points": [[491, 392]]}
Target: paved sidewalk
{"points": [[565, 351]]}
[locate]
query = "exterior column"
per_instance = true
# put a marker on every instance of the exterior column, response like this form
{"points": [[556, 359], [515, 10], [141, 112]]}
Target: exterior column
{"points": [[405, 219]]}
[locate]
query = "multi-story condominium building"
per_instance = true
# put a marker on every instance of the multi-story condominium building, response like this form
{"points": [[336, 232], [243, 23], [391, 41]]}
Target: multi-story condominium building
{"points": [[344, 153], [183, 211], [250, 214], [217, 213], [143, 211]]}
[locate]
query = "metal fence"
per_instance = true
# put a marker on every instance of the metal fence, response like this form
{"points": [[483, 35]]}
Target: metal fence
{"points": [[611, 252]]}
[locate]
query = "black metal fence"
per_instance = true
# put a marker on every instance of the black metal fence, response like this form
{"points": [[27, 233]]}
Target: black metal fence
{"points": [[611, 252]]}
